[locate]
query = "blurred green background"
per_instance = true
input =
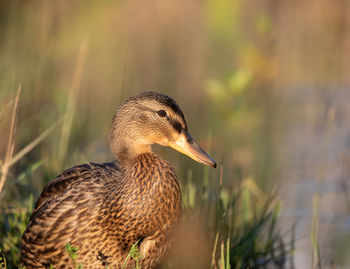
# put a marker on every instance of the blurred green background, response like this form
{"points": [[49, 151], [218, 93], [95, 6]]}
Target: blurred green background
{"points": [[263, 84]]}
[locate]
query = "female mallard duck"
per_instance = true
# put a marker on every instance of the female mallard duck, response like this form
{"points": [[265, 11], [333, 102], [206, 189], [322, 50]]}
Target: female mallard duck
{"points": [[103, 209]]}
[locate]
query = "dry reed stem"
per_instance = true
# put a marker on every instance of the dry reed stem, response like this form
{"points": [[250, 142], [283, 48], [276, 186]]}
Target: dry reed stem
{"points": [[72, 100], [11, 145], [221, 174], [213, 254], [316, 257], [33, 144]]}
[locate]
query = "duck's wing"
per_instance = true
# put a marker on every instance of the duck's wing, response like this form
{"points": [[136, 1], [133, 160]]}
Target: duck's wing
{"points": [[65, 208], [64, 181]]}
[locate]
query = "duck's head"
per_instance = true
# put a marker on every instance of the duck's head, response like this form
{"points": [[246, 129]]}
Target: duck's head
{"points": [[152, 118]]}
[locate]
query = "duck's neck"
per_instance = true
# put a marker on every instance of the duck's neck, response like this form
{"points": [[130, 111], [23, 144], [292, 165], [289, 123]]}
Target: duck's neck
{"points": [[127, 153]]}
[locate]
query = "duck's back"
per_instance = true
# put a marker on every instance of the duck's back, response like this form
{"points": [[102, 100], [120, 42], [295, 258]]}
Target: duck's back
{"points": [[102, 211], [65, 213]]}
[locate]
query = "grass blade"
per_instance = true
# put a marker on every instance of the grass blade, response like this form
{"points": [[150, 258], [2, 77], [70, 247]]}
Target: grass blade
{"points": [[71, 103], [10, 146]]}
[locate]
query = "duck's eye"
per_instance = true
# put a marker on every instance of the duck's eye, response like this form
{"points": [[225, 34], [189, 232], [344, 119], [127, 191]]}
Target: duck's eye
{"points": [[161, 113]]}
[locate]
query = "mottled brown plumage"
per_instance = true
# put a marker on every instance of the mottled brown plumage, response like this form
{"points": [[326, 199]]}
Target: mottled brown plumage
{"points": [[102, 209]]}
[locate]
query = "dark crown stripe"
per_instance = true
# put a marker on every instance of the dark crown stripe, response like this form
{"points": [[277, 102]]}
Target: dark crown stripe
{"points": [[162, 99]]}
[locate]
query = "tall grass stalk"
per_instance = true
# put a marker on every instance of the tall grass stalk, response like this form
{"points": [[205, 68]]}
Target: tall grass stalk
{"points": [[213, 254], [228, 264], [316, 262], [206, 169], [10, 145], [292, 247], [72, 101], [189, 194]]}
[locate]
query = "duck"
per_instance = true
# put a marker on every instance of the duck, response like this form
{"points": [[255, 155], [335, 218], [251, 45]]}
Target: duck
{"points": [[103, 210]]}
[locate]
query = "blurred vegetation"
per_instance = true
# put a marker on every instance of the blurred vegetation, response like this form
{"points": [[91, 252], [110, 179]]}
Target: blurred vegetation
{"points": [[242, 225], [229, 65]]}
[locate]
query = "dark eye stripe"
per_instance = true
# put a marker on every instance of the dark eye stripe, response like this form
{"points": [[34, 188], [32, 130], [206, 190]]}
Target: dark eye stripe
{"points": [[176, 125]]}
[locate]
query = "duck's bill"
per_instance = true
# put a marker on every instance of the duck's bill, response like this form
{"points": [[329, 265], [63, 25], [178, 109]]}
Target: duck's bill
{"points": [[186, 145]]}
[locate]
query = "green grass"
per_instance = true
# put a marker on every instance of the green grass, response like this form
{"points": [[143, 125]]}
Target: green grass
{"points": [[72, 252], [13, 222], [134, 253], [242, 225]]}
